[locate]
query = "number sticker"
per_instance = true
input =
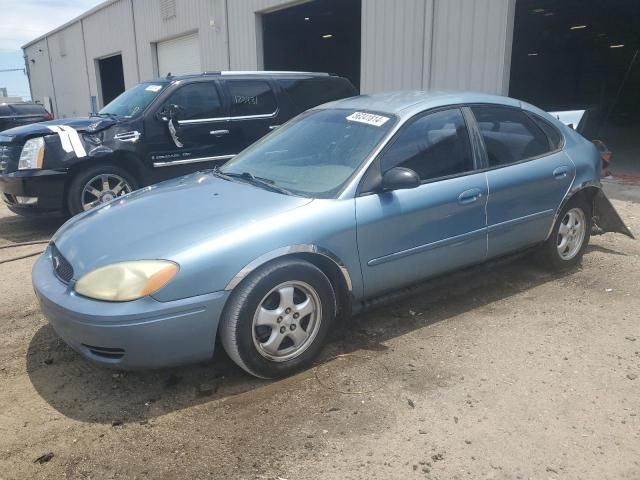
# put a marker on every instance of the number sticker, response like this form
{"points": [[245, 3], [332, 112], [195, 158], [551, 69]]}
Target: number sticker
{"points": [[153, 88], [368, 118]]}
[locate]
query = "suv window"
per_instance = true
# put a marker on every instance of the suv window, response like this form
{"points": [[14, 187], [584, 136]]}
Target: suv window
{"points": [[4, 111], [310, 92], [251, 97], [436, 145], [198, 100], [509, 135]]}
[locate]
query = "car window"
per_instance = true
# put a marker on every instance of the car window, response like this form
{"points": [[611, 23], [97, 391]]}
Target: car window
{"points": [[198, 100], [553, 134], [133, 102], [509, 135], [4, 111], [251, 97], [311, 92], [433, 146], [315, 154], [28, 109]]}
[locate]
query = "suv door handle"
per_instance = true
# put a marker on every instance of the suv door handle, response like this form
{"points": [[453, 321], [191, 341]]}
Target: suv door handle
{"points": [[273, 127], [219, 133], [561, 172], [469, 196]]}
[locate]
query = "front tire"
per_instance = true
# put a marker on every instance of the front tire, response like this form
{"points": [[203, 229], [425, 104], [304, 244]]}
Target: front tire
{"points": [[569, 238], [98, 184], [276, 321]]}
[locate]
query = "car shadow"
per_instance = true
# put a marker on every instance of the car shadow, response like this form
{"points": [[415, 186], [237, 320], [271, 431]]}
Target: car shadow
{"points": [[16, 229], [85, 392], [598, 248]]}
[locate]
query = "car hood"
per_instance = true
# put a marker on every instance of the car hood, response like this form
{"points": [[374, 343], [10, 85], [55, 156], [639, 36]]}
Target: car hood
{"points": [[161, 221], [86, 124]]}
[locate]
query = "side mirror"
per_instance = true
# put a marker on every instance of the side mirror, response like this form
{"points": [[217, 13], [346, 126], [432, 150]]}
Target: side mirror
{"points": [[169, 112], [399, 178]]}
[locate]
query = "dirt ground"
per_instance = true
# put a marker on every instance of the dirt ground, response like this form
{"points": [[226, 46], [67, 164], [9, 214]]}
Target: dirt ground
{"points": [[508, 373]]}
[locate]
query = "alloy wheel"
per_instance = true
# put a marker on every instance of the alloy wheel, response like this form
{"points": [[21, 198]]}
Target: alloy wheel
{"points": [[571, 233], [103, 188]]}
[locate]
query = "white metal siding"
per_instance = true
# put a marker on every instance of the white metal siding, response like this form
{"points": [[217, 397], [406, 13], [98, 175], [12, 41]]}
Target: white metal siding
{"points": [[406, 44], [472, 45], [40, 74], [179, 55]]}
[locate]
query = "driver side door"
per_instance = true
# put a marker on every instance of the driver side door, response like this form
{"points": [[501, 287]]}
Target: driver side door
{"points": [[405, 236], [189, 131]]}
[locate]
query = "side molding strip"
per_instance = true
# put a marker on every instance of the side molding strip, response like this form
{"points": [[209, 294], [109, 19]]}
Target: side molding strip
{"points": [[242, 274], [192, 160]]}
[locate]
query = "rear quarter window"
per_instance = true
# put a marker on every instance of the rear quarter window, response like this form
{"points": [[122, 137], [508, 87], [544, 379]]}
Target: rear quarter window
{"points": [[552, 133], [311, 92]]}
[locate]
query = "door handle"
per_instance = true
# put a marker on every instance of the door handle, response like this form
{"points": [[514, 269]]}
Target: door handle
{"points": [[469, 196], [273, 127], [219, 133], [561, 172]]}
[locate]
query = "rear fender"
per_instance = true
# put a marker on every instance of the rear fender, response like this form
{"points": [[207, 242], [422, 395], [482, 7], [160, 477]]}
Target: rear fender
{"points": [[606, 218]]}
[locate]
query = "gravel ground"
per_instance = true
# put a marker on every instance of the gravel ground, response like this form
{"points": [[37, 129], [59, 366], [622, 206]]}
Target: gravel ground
{"points": [[504, 373]]}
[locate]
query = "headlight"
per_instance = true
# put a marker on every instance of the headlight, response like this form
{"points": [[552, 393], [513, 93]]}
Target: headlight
{"points": [[126, 281], [32, 154]]}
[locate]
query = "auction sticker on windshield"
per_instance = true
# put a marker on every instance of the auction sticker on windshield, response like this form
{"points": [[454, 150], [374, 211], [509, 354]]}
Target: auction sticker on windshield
{"points": [[154, 88], [368, 118]]}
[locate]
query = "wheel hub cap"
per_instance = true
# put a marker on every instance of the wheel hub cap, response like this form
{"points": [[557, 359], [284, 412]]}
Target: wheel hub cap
{"points": [[286, 321], [102, 189], [571, 233]]}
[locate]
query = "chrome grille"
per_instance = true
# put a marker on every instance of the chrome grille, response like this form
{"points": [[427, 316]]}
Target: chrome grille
{"points": [[61, 266], [4, 158]]}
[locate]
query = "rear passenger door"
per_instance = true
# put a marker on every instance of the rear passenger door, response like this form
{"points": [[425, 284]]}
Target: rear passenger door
{"points": [[253, 111], [528, 175]]}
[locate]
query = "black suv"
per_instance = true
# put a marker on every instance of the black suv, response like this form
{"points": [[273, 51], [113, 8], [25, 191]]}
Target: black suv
{"points": [[154, 131], [17, 114]]}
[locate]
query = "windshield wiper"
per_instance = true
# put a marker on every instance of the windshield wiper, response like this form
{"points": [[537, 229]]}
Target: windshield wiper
{"points": [[265, 183]]}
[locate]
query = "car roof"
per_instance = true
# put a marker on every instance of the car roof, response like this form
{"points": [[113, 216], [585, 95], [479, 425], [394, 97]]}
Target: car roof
{"points": [[407, 103], [242, 73]]}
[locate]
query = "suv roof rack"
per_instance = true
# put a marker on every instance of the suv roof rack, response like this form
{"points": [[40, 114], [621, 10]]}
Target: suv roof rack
{"points": [[263, 72]]}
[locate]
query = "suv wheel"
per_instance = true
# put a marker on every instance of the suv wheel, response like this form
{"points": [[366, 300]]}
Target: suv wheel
{"points": [[277, 319], [99, 184]]}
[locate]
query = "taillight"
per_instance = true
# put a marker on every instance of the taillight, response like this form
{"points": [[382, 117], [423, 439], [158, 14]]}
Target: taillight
{"points": [[48, 116]]}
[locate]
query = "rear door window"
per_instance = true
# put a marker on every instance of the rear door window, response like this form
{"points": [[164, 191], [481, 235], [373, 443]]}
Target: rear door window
{"points": [[251, 97], [197, 101], [435, 145], [509, 135]]}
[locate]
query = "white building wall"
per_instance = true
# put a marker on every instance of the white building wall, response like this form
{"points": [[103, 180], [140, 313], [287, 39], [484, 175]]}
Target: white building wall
{"points": [[68, 66], [107, 32], [37, 61], [406, 44], [206, 17]]}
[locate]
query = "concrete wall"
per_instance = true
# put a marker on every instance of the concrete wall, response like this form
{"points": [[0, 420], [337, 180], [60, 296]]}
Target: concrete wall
{"points": [[406, 44]]}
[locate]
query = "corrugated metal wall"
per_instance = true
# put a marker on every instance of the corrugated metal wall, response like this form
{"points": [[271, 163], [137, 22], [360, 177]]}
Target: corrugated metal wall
{"points": [[100, 42], [40, 73], [406, 44], [206, 17], [68, 65]]}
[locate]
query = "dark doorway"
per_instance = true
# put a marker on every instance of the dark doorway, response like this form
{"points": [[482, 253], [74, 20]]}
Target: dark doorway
{"points": [[111, 77], [318, 36], [577, 54]]}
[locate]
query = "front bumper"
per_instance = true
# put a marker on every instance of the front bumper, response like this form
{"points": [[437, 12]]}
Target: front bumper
{"points": [[47, 185], [144, 333]]}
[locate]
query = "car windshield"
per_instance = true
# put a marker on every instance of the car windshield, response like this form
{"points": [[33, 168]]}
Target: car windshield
{"points": [[315, 154], [133, 101]]}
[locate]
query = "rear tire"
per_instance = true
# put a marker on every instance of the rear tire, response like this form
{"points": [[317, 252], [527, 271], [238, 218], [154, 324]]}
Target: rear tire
{"points": [[276, 321], [569, 237], [88, 188]]}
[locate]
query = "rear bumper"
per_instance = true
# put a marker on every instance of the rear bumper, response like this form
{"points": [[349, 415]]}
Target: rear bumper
{"points": [[45, 185], [140, 334]]}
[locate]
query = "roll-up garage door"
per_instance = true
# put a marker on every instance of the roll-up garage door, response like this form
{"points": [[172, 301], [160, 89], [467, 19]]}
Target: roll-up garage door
{"points": [[179, 55]]}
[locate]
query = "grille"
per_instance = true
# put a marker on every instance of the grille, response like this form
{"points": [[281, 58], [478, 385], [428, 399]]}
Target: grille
{"points": [[9, 155], [61, 266], [4, 158]]}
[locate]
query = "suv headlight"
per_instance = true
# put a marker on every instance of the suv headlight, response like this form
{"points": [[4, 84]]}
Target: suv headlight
{"points": [[32, 154], [122, 282]]}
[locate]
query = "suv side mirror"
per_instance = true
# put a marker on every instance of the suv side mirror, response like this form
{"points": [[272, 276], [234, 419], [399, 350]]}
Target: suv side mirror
{"points": [[169, 112], [399, 178]]}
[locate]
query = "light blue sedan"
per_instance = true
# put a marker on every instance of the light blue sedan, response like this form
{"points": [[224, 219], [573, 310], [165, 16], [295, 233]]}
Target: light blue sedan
{"points": [[347, 202]]}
